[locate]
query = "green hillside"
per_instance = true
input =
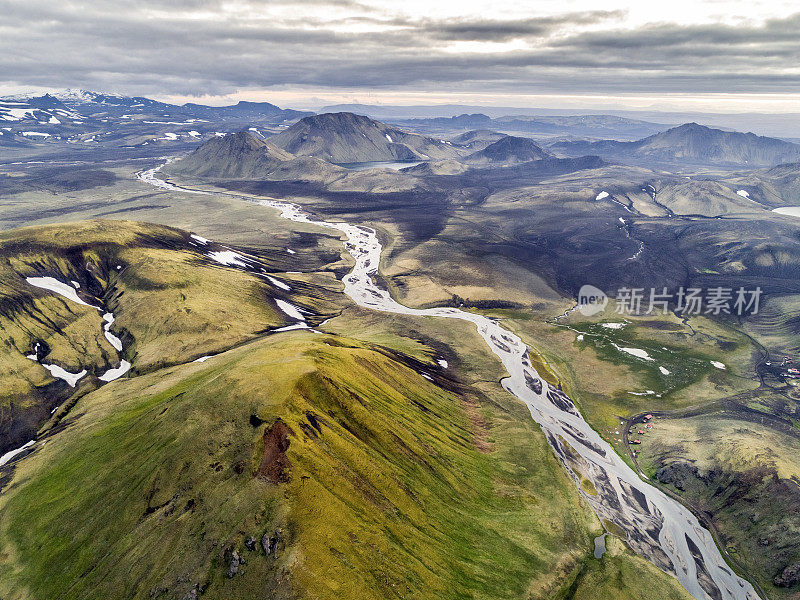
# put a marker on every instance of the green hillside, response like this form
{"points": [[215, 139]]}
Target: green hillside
{"points": [[361, 477]]}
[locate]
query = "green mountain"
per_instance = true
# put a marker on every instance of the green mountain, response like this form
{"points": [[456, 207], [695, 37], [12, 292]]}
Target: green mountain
{"points": [[291, 463]]}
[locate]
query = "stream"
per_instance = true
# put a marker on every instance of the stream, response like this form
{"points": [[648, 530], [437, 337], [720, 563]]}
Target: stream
{"points": [[657, 527]]}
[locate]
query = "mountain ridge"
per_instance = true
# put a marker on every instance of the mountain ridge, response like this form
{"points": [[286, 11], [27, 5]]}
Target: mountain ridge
{"points": [[694, 143]]}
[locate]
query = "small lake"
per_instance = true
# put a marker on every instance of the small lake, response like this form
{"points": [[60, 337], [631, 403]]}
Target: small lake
{"points": [[600, 546], [792, 211], [381, 164]]}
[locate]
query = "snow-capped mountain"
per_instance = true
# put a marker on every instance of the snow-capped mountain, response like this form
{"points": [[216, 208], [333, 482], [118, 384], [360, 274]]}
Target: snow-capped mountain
{"points": [[88, 117], [44, 110]]}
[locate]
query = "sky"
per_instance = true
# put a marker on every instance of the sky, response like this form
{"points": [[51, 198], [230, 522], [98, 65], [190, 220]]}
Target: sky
{"points": [[715, 55]]}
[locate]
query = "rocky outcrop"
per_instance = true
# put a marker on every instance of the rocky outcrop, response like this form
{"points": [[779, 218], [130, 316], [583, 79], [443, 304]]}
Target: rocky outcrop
{"points": [[789, 577], [270, 543], [678, 474], [233, 565]]}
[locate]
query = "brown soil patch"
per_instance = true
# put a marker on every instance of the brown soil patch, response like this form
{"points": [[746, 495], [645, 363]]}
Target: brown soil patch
{"points": [[275, 466], [480, 429]]}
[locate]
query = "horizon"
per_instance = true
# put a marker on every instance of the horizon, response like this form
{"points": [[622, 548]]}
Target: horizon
{"points": [[719, 56], [317, 104]]}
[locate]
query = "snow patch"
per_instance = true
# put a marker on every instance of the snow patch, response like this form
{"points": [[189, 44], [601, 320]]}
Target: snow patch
{"points": [[12, 453], [59, 373], [112, 374], [54, 285], [290, 309], [112, 339], [17, 114], [229, 258], [292, 327], [637, 352], [277, 283]]}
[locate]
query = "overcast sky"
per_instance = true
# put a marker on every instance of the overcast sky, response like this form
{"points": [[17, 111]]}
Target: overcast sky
{"points": [[686, 55]]}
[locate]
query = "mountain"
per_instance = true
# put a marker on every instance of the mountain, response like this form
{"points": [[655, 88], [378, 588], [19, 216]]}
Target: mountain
{"points": [[45, 110], [89, 103], [692, 143], [233, 156], [244, 155], [254, 111], [238, 459], [477, 135], [132, 122], [590, 126], [349, 138], [509, 150]]}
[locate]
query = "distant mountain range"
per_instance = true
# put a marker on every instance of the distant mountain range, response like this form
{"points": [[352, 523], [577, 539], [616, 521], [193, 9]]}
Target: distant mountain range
{"points": [[314, 148], [78, 116], [111, 121], [591, 126], [782, 125], [691, 143]]}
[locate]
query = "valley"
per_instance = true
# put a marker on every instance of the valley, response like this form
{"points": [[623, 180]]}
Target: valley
{"points": [[618, 497], [371, 292]]}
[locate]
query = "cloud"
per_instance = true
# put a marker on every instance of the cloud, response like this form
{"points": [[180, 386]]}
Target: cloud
{"points": [[211, 47], [502, 30]]}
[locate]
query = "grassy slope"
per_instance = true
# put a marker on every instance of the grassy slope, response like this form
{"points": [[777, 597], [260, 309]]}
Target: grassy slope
{"points": [[391, 498], [747, 480], [171, 303], [149, 488], [528, 466], [601, 377]]}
